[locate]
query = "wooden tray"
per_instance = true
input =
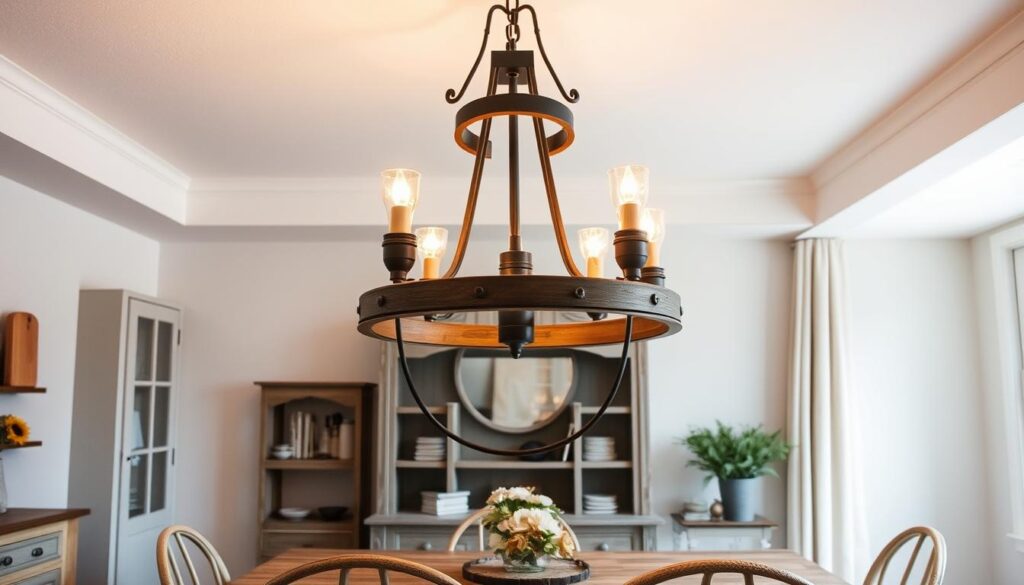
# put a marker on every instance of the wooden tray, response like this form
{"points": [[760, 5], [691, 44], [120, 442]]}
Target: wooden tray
{"points": [[489, 571]]}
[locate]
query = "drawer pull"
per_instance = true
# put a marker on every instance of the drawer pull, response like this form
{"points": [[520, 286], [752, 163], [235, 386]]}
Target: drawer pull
{"points": [[37, 551], [603, 547], [426, 546], [6, 561]]}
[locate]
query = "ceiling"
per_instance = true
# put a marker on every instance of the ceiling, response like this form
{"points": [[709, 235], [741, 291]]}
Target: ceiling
{"points": [[973, 200], [701, 89]]}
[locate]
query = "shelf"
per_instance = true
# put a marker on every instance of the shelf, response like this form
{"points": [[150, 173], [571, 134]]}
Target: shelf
{"points": [[606, 464], [28, 444], [307, 464], [484, 464], [343, 526], [21, 390], [611, 410], [410, 464], [416, 410]]}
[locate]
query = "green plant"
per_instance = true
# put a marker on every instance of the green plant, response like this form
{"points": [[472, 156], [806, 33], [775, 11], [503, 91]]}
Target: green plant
{"points": [[728, 455]]}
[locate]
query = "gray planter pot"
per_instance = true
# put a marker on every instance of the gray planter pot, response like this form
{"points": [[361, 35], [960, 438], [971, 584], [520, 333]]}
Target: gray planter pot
{"points": [[738, 498]]}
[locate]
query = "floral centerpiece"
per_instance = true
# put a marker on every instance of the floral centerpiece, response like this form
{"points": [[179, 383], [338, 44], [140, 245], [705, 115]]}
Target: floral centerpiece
{"points": [[526, 529], [13, 430]]}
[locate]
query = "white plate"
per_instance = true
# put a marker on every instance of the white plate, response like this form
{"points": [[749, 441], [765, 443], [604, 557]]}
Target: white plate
{"points": [[600, 497], [430, 439], [605, 512], [294, 513]]}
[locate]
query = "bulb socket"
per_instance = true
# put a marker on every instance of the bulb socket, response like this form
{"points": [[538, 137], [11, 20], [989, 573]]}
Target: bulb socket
{"points": [[631, 252], [515, 262], [653, 275], [399, 254]]}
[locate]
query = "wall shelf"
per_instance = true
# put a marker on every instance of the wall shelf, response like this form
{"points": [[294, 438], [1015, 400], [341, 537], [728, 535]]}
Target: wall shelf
{"points": [[606, 464], [416, 410], [21, 390], [27, 444], [308, 525], [511, 464], [611, 410], [410, 464]]}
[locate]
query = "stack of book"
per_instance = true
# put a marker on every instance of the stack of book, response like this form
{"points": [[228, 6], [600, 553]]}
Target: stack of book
{"points": [[696, 511], [445, 503]]}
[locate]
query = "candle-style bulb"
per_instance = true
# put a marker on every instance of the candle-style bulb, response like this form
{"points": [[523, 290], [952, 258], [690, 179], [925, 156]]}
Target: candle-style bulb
{"points": [[653, 223], [594, 246], [400, 189], [431, 243], [629, 187]]}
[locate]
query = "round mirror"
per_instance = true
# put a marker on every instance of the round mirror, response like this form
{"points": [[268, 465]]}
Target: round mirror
{"points": [[514, 395]]}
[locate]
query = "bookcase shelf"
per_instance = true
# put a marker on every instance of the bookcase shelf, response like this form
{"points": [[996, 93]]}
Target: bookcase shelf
{"points": [[25, 446], [565, 477], [314, 482], [21, 390]]}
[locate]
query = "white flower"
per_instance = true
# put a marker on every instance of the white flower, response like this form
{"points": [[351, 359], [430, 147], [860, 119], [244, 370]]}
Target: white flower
{"points": [[515, 493], [541, 499], [528, 519]]}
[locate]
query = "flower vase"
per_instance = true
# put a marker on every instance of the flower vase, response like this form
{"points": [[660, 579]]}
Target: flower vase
{"points": [[534, 565]]}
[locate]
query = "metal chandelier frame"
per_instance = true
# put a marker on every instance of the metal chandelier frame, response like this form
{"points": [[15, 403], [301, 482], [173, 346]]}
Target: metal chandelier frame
{"points": [[418, 311]]}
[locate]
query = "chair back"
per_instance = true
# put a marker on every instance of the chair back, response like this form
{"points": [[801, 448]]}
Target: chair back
{"points": [[710, 567], [478, 516], [167, 567], [934, 569], [346, 563]]}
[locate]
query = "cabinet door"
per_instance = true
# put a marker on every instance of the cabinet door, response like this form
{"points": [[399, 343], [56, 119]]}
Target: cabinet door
{"points": [[147, 456]]}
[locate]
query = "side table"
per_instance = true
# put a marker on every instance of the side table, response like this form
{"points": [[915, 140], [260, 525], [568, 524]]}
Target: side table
{"points": [[722, 534]]}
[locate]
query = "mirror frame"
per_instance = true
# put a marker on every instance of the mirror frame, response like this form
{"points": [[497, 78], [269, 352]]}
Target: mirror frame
{"points": [[479, 416]]}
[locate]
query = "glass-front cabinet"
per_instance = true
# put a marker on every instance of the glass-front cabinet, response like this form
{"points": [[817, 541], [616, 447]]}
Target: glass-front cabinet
{"points": [[123, 439]]}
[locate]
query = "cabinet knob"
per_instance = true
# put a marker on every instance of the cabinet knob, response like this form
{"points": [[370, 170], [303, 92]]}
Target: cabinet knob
{"points": [[37, 551], [426, 546], [6, 561], [603, 547]]}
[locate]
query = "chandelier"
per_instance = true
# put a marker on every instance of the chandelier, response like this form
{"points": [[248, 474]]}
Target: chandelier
{"points": [[632, 307]]}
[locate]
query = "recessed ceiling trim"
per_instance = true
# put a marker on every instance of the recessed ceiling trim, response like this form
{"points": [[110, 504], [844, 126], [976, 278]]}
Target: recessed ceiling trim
{"points": [[42, 118], [983, 85]]}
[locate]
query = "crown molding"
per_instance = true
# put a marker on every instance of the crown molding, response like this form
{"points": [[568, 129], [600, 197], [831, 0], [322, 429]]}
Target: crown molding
{"points": [[980, 87], [44, 119]]}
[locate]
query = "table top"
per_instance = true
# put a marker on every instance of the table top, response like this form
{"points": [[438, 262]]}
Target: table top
{"points": [[606, 568], [757, 522]]}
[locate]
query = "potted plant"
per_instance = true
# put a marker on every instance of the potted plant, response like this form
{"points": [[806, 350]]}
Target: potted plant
{"points": [[737, 460], [526, 529]]}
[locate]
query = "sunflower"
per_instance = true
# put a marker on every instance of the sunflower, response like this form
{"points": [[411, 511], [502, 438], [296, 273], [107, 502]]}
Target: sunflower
{"points": [[15, 430]]}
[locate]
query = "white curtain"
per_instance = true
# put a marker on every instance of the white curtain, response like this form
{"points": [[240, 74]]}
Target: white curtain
{"points": [[825, 515]]}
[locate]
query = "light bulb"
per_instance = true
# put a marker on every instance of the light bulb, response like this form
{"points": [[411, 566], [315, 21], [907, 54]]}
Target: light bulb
{"points": [[594, 245], [431, 243], [401, 193], [653, 223], [629, 187]]}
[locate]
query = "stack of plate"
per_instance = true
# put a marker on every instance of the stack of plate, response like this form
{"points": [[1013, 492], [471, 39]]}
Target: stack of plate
{"points": [[598, 448], [429, 449], [600, 504]]}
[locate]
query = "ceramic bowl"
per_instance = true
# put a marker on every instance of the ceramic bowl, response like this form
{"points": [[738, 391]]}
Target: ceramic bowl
{"points": [[294, 513]]}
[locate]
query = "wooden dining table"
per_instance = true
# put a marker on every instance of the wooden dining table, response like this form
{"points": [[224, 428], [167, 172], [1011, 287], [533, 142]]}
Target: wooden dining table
{"points": [[606, 568]]}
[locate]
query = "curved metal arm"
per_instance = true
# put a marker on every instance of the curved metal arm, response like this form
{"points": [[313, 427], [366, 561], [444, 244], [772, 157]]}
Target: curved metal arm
{"points": [[514, 452], [573, 96], [450, 96]]}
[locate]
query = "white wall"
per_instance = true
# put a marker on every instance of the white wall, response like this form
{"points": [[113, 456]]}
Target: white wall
{"points": [[1001, 369], [287, 311], [915, 372], [48, 252]]}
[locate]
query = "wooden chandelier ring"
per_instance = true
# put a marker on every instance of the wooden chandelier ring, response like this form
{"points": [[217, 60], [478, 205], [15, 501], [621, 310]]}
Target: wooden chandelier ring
{"points": [[407, 374], [514, 104], [657, 309]]}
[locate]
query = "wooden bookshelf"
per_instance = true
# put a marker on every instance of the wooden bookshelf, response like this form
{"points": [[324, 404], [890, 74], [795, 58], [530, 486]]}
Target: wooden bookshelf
{"points": [[21, 390], [26, 445], [313, 482]]}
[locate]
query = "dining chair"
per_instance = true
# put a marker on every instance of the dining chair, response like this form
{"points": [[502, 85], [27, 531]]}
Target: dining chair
{"points": [[167, 567], [478, 516], [934, 569], [346, 563], [708, 568]]}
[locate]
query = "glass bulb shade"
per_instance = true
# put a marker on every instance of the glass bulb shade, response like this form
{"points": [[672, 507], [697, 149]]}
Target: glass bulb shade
{"points": [[653, 223], [629, 184], [400, 189], [593, 242], [431, 242]]}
